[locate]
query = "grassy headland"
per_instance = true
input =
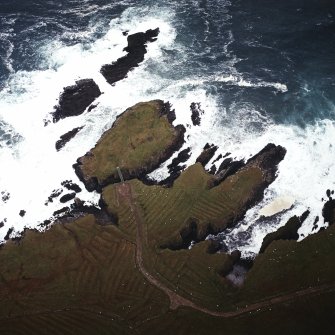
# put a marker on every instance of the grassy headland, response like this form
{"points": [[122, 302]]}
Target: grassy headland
{"points": [[138, 142], [136, 274]]}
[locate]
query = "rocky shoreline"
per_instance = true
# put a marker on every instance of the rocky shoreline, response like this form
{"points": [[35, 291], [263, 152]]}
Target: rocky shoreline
{"points": [[142, 254], [152, 235]]}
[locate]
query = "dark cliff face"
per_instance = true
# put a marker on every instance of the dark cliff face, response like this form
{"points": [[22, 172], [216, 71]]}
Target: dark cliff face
{"points": [[248, 184], [267, 160], [136, 50], [207, 154], [76, 98], [287, 232]]}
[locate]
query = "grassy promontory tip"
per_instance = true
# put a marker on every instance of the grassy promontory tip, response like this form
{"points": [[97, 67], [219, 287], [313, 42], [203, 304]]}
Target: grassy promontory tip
{"points": [[139, 141]]}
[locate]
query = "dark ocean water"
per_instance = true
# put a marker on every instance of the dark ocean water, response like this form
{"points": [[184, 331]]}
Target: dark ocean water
{"points": [[292, 42], [264, 69]]}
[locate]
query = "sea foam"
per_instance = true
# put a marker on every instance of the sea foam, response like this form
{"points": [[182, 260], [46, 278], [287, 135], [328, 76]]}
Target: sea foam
{"points": [[32, 168]]}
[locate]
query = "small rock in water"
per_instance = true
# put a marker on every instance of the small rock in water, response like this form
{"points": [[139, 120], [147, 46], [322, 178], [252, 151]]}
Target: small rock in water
{"points": [[92, 107], [61, 211], [67, 197], [67, 137], [76, 98], [9, 232], [53, 195], [71, 186], [5, 196], [328, 210], [196, 113], [217, 158], [137, 48], [315, 227]]}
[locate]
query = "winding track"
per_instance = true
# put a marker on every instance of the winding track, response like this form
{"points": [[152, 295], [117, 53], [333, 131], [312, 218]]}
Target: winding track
{"points": [[125, 191]]}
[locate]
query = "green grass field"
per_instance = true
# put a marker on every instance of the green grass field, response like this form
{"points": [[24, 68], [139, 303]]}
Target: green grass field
{"points": [[81, 278], [138, 141]]}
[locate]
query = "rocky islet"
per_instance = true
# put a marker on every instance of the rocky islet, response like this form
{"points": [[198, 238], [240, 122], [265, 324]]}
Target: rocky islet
{"points": [[74, 100]]}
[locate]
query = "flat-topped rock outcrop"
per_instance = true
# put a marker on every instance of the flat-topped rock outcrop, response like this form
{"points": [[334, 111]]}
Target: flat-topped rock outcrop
{"points": [[137, 48], [76, 98], [139, 141]]}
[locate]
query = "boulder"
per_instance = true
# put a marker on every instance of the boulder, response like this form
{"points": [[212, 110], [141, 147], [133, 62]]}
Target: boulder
{"points": [[2, 223], [196, 113], [136, 50], [328, 211], [67, 137], [67, 197], [76, 98], [9, 232], [71, 186], [54, 194], [4, 196]]}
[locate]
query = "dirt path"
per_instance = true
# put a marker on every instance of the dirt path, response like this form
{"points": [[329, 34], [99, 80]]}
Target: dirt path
{"points": [[125, 191]]}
